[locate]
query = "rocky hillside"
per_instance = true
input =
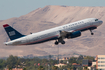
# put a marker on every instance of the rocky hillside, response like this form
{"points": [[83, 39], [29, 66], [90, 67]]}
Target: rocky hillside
{"points": [[52, 16]]}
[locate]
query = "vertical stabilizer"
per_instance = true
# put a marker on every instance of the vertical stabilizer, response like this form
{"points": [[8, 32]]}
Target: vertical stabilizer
{"points": [[11, 32]]}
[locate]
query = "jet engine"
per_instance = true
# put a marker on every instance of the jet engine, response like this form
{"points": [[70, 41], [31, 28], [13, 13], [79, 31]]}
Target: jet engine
{"points": [[74, 34]]}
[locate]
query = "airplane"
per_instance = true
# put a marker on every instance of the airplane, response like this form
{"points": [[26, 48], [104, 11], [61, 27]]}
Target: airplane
{"points": [[69, 31]]}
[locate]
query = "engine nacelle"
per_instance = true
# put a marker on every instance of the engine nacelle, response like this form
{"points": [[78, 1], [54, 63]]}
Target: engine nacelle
{"points": [[74, 34]]}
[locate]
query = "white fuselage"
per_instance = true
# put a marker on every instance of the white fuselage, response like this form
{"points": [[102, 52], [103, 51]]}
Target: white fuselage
{"points": [[54, 33]]}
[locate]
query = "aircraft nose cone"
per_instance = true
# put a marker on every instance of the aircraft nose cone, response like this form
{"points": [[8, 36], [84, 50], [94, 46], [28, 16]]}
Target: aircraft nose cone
{"points": [[100, 22]]}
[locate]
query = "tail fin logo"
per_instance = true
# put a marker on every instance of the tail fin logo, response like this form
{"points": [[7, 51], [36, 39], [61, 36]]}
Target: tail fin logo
{"points": [[11, 33]]}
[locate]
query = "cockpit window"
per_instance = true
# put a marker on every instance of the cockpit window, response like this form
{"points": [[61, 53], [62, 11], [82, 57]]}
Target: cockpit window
{"points": [[96, 19]]}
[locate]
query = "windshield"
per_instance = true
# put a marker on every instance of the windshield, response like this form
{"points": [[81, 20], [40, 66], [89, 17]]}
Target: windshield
{"points": [[96, 19]]}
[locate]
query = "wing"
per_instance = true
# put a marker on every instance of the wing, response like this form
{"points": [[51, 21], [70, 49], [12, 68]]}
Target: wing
{"points": [[70, 34]]}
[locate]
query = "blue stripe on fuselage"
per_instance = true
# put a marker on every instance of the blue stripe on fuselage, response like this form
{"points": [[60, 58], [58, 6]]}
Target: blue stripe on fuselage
{"points": [[86, 28], [43, 40], [92, 28]]}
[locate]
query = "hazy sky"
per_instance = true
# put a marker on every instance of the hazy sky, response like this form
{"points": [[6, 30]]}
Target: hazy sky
{"points": [[16, 8]]}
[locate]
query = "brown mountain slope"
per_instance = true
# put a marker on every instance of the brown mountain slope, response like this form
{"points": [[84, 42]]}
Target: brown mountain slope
{"points": [[52, 16]]}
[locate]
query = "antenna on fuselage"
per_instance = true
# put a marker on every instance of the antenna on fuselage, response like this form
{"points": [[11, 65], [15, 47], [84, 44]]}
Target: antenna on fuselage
{"points": [[30, 33]]}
